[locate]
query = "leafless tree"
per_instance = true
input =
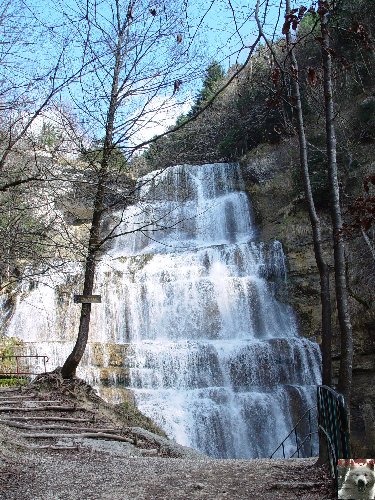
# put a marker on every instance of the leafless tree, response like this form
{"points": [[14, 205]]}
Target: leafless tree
{"points": [[313, 215], [27, 90], [346, 360], [292, 20], [138, 58]]}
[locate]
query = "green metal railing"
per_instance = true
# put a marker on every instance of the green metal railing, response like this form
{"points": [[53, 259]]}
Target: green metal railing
{"points": [[329, 419], [333, 426]]}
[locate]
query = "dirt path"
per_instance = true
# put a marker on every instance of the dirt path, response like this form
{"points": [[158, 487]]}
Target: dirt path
{"points": [[89, 476], [55, 447]]}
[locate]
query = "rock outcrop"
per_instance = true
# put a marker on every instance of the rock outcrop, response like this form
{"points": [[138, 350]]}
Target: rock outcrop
{"points": [[280, 213]]}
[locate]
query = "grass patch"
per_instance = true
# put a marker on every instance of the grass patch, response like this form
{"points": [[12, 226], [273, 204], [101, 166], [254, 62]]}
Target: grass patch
{"points": [[12, 381]]}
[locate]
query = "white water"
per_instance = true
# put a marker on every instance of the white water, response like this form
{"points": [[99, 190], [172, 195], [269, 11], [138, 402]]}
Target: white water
{"points": [[214, 358]]}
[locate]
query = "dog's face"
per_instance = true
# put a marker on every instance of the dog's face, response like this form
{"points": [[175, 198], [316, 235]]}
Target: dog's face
{"points": [[362, 475]]}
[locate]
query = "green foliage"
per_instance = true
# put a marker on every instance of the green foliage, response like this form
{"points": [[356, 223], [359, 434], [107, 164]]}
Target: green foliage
{"points": [[8, 348], [256, 107], [242, 117], [309, 24], [49, 136], [151, 155], [181, 119], [232, 144], [12, 381], [213, 76]]}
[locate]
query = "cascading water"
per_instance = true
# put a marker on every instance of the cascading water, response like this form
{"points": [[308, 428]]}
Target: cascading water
{"points": [[208, 351]]}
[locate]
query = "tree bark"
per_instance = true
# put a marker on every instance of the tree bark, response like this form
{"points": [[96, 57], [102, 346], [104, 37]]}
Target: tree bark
{"points": [[314, 219], [346, 359]]}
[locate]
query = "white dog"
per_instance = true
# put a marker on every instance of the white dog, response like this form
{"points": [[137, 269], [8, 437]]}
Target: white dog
{"points": [[359, 483]]}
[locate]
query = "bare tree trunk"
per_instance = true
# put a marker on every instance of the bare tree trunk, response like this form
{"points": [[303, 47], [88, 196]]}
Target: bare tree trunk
{"points": [[346, 360], [73, 360], [69, 368], [314, 219]]}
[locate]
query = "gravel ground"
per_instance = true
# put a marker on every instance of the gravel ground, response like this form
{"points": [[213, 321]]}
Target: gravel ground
{"points": [[147, 467], [90, 475]]}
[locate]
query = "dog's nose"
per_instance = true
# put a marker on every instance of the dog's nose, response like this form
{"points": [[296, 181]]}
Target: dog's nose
{"points": [[361, 484]]}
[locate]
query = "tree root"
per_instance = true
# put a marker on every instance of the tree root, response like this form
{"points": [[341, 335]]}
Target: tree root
{"points": [[94, 435], [42, 408], [19, 425]]}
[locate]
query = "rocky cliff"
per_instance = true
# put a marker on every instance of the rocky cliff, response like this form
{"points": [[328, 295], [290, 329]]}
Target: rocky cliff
{"points": [[280, 212]]}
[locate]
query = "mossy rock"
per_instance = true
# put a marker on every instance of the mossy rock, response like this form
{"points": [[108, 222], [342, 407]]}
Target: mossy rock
{"points": [[97, 354], [117, 354], [109, 377], [132, 417]]}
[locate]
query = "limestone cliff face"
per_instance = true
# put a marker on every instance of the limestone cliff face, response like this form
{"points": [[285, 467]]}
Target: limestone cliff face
{"points": [[280, 213]]}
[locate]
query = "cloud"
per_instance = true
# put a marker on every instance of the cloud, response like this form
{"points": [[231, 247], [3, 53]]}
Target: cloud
{"points": [[157, 116]]}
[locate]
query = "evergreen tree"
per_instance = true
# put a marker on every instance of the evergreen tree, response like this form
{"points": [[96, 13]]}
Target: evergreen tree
{"points": [[213, 75]]}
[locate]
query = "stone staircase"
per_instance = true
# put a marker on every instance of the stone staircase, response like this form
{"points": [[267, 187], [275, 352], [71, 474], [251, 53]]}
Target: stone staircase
{"points": [[61, 423]]}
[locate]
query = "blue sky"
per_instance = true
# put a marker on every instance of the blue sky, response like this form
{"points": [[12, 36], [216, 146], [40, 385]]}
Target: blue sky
{"points": [[220, 27], [213, 29]]}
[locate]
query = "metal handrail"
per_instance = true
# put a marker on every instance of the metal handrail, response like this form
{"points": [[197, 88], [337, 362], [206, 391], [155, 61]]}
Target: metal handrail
{"points": [[332, 457], [333, 425], [294, 431], [309, 435], [18, 372], [333, 418]]}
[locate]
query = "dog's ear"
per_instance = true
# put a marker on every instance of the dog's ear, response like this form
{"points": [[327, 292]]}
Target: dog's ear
{"points": [[371, 464]]}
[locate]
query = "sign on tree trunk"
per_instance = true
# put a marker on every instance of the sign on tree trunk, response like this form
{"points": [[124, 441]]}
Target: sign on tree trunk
{"points": [[87, 299]]}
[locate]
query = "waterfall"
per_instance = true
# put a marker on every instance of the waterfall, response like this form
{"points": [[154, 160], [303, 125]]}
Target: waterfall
{"points": [[189, 319]]}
